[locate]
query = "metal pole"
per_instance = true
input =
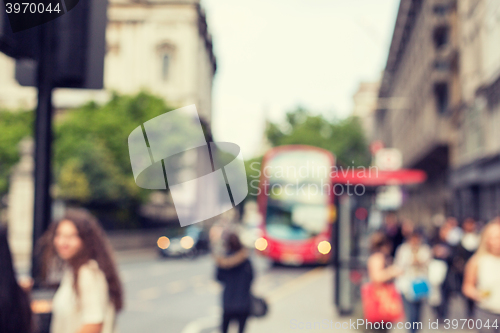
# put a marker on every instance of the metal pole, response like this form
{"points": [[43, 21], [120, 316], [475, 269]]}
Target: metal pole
{"points": [[43, 142]]}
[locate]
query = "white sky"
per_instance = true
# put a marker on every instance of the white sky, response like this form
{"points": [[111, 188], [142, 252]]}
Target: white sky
{"points": [[276, 54]]}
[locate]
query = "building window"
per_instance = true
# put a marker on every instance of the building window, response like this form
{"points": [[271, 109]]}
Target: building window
{"points": [[441, 95], [442, 65], [165, 66], [440, 10], [166, 58], [440, 36], [475, 139], [113, 48]]}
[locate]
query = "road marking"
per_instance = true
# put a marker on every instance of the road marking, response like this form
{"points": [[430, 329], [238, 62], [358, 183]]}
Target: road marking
{"points": [[176, 287], [214, 287], [149, 293], [126, 276], [143, 307], [201, 323], [159, 270], [200, 277]]}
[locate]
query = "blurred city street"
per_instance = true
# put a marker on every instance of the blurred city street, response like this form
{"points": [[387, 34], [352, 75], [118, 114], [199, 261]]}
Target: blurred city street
{"points": [[183, 296], [190, 166], [166, 295], [178, 295]]}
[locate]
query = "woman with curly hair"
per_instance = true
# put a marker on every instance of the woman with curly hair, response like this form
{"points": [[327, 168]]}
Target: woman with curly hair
{"points": [[90, 293]]}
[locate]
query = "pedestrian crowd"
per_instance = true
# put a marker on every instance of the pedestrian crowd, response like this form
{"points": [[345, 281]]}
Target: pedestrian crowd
{"points": [[408, 268], [76, 260]]}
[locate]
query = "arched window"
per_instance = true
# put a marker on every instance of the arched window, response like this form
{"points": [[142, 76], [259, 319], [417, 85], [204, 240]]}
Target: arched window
{"points": [[165, 63], [166, 55]]}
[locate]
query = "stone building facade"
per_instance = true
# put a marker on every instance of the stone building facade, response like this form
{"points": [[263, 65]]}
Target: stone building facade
{"points": [[439, 103], [419, 93], [365, 105], [162, 46], [475, 168]]}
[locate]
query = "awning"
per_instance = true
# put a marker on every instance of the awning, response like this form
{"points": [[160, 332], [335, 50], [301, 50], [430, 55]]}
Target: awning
{"points": [[370, 177]]}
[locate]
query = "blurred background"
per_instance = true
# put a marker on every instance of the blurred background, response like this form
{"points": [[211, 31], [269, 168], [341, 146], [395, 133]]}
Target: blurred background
{"points": [[410, 84]]}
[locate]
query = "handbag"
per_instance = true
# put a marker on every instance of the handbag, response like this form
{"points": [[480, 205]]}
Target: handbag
{"points": [[381, 301], [258, 306], [419, 289]]}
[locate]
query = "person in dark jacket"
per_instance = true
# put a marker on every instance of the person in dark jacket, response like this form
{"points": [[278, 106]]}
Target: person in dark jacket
{"points": [[393, 231], [463, 252], [15, 311], [236, 274], [442, 250]]}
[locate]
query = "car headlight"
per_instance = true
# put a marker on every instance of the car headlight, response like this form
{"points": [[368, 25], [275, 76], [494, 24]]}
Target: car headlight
{"points": [[324, 247], [187, 242], [261, 244], [163, 242]]}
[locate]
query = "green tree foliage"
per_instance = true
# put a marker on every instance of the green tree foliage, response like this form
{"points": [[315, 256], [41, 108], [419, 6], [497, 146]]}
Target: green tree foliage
{"points": [[91, 159], [344, 138], [252, 168], [13, 127], [73, 183], [91, 156]]}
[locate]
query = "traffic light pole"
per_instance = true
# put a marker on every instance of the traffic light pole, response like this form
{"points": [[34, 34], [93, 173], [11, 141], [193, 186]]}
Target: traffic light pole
{"points": [[43, 142]]}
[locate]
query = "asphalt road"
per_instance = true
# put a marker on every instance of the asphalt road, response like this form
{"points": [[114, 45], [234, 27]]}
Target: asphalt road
{"points": [[181, 295]]}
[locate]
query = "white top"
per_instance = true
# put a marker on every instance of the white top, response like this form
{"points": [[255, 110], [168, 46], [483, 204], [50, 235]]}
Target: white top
{"points": [[454, 236], [488, 272], [92, 305], [470, 241], [404, 259]]}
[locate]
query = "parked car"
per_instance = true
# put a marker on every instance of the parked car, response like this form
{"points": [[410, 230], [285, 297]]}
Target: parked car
{"points": [[183, 242]]}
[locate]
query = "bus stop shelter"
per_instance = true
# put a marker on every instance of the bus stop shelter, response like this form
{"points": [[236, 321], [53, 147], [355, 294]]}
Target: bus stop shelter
{"points": [[350, 230]]}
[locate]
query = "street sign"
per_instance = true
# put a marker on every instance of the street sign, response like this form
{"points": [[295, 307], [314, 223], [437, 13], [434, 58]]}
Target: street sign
{"points": [[18, 45], [388, 159], [79, 48]]}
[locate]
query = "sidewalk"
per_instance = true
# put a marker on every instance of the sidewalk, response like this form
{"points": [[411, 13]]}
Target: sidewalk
{"points": [[304, 304]]}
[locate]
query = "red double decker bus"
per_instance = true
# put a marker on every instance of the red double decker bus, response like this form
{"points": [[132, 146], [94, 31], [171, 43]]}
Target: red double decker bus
{"points": [[297, 204]]}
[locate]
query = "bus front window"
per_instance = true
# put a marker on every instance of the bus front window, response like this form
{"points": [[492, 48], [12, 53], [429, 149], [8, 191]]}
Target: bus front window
{"points": [[298, 195], [296, 222]]}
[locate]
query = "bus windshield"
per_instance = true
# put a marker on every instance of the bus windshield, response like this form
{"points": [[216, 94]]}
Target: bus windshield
{"points": [[298, 188]]}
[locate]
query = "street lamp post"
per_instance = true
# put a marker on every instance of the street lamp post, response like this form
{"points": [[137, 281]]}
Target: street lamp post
{"points": [[43, 141]]}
